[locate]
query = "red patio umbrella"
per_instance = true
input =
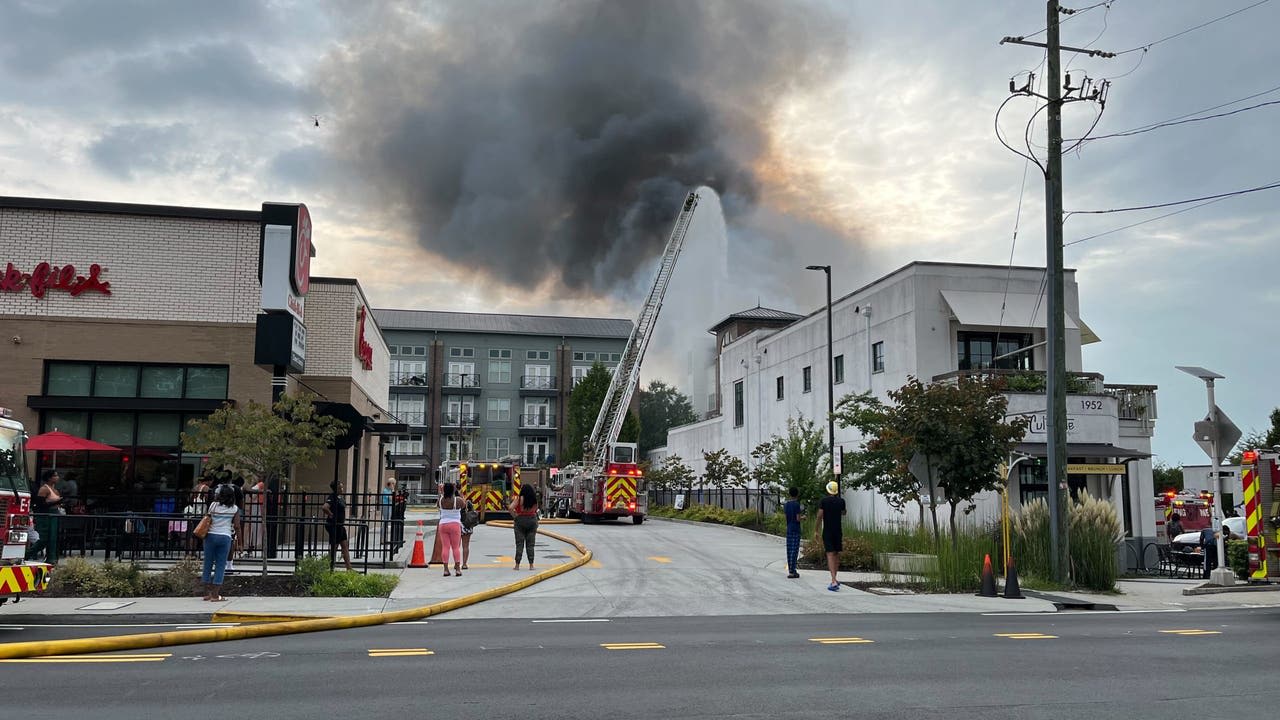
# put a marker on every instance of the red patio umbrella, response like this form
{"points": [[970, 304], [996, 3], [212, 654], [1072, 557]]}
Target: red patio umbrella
{"points": [[57, 441]]}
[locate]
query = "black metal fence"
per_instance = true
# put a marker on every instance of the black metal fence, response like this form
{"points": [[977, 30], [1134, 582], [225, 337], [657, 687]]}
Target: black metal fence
{"points": [[149, 527], [766, 501]]}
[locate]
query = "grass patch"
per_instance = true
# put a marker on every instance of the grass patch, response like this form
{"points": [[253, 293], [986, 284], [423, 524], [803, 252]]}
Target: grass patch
{"points": [[318, 580]]}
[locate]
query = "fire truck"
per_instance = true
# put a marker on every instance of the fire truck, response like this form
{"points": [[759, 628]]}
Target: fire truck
{"points": [[608, 483], [488, 485], [1195, 511], [17, 576], [1260, 481]]}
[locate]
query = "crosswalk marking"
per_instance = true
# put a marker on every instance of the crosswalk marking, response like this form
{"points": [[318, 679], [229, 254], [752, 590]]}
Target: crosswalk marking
{"points": [[1192, 632], [840, 641], [400, 652], [633, 646], [1027, 636]]}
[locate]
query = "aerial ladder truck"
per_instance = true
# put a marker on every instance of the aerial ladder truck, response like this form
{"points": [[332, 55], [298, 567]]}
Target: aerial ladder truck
{"points": [[608, 482]]}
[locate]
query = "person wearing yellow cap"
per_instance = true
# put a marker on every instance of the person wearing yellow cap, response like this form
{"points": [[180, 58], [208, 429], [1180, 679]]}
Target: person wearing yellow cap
{"points": [[830, 525]]}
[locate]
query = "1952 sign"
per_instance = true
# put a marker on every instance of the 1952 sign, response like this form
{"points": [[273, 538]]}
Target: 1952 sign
{"points": [[46, 277]]}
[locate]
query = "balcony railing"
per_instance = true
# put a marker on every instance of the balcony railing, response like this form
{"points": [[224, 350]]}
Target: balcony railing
{"points": [[540, 421], [1134, 402], [537, 382], [412, 418], [460, 419], [1029, 381], [462, 380], [410, 380]]}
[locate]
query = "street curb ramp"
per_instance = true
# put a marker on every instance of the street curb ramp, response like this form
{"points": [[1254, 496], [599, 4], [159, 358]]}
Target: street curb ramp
{"points": [[80, 646]]}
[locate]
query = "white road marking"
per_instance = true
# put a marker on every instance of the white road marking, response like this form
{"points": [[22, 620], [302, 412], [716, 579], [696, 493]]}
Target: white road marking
{"points": [[1086, 613], [573, 620]]}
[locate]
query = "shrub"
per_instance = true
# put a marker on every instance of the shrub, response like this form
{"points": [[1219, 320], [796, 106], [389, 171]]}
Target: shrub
{"points": [[310, 569], [1095, 534], [73, 575], [353, 584], [1238, 558], [1030, 540], [179, 580], [855, 553]]}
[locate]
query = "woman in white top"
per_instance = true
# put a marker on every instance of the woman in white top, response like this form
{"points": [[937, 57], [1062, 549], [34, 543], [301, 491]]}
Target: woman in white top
{"points": [[224, 515], [450, 528]]}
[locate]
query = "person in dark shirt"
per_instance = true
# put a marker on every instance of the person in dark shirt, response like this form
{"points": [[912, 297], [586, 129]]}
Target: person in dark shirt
{"points": [[1175, 526], [831, 524], [1209, 547], [335, 512], [794, 514]]}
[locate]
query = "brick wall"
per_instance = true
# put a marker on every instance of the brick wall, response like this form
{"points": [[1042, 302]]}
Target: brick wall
{"points": [[160, 268]]}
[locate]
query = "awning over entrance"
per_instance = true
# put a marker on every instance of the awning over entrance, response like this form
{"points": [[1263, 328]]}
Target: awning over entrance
{"points": [[1021, 310], [1084, 450]]}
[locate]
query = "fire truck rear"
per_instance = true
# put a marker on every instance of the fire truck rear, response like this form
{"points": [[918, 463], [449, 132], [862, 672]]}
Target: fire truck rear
{"points": [[1260, 480], [17, 576]]}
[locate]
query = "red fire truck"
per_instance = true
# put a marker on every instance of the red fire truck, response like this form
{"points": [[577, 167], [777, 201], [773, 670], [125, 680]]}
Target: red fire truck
{"points": [[1195, 511], [17, 576], [1260, 481]]}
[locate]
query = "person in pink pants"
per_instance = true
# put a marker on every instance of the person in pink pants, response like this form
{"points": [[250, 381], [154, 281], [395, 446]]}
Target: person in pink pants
{"points": [[450, 528]]}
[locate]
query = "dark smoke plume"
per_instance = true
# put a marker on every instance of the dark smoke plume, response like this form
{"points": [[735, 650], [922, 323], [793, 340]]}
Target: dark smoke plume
{"points": [[555, 141]]}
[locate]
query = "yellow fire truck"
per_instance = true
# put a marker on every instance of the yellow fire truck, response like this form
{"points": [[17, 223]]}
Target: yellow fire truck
{"points": [[488, 485], [1260, 480], [17, 576]]}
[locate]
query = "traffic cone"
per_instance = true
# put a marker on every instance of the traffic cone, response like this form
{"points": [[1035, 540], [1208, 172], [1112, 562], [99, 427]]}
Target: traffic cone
{"points": [[1011, 589], [419, 559], [988, 579], [435, 551]]}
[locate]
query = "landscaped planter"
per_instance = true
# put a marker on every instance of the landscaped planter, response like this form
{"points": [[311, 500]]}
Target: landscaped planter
{"points": [[907, 563]]}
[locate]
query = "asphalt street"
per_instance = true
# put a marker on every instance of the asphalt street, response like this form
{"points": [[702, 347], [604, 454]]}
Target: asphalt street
{"points": [[1065, 665]]}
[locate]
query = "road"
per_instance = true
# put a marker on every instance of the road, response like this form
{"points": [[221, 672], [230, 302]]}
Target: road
{"points": [[1078, 665]]}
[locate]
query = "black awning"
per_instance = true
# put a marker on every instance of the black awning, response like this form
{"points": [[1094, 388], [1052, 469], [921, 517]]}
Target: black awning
{"points": [[348, 414], [1084, 450], [388, 428]]}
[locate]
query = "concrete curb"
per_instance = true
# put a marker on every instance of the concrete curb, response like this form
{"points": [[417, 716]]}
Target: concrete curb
{"points": [[699, 523], [268, 629], [1207, 589], [200, 618]]}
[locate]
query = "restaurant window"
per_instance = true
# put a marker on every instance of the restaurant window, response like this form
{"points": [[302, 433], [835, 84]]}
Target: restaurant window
{"points": [[115, 381], [112, 428], [207, 383], [839, 366], [161, 382], [158, 429], [978, 350], [67, 421], [739, 405], [69, 379], [1031, 483]]}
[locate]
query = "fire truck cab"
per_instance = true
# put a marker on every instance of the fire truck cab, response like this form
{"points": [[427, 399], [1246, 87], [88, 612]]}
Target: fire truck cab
{"points": [[1194, 510], [488, 485], [17, 576], [616, 493]]}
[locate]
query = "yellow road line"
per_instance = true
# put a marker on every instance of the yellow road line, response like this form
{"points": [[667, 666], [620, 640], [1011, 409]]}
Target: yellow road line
{"points": [[633, 646], [400, 652], [1192, 632], [840, 641], [1027, 636], [659, 559]]}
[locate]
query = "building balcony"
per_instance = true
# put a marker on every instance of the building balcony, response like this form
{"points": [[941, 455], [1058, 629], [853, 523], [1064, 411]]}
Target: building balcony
{"points": [[460, 420], [413, 381], [538, 385], [1135, 402], [539, 424], [1029, 381], [409, 458], [462, 384], [413, 419]]}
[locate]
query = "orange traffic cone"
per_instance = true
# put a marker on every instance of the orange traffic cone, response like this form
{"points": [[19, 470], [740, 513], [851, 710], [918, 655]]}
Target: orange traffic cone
{"points": [[1011, 589], [988, 579], [435, 551], [419, 559]]}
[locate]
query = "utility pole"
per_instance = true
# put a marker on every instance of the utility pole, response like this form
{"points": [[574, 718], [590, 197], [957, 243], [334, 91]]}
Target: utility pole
{"points": [[1055, 332]]}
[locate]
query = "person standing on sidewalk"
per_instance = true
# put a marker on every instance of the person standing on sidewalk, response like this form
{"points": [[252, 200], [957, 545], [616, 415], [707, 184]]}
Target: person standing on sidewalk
{"points": [[794, 514], [450, 528], [524, 516], [831, 525], [224, 518], [470, 518], [335, 512], [46, 505]]}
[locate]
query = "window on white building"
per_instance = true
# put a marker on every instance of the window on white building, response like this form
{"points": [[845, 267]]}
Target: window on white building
{"points": [[877, 357], [839, 368], [781, 390], [807, 379], [739, 405]]}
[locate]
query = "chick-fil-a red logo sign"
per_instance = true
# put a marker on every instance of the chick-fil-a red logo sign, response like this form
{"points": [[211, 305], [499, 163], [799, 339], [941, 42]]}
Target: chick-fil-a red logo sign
{"points": [[364, 351], [46, 277]]}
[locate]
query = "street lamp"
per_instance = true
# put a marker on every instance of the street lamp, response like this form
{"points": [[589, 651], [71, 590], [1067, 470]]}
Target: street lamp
{"points": [[1216, 435], [831, 380]]}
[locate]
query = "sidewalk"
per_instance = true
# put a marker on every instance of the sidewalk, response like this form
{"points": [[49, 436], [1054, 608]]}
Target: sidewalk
{"points": [[490, 566]]}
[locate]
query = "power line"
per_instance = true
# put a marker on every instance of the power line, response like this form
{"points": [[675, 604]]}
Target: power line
{"points": [[1149, 45], [1172, 120], [1157, 126], [1144, 222], [1070, 15], [1233, 193]]}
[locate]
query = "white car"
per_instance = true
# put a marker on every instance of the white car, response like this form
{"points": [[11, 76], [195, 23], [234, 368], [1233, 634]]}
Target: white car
{"points": [[1189, 540]]}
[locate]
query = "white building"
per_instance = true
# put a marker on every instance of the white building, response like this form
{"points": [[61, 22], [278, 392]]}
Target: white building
{"points": [[933, 321]]}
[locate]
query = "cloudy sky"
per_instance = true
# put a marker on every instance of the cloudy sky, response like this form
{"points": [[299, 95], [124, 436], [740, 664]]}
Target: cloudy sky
{"points": [[523, 157]]}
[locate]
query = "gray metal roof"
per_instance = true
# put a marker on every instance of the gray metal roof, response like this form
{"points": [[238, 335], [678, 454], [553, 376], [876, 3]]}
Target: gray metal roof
{"points": [[558, 326], [760, 314]]}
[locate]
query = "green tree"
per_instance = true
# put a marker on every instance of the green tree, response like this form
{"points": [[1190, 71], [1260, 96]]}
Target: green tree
{"points": [[1257, 439], [662, 407], [883, 461], [800, 459], [723, 470], [264, 441], [584, 407], [673, 474], [1166, 478]]}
